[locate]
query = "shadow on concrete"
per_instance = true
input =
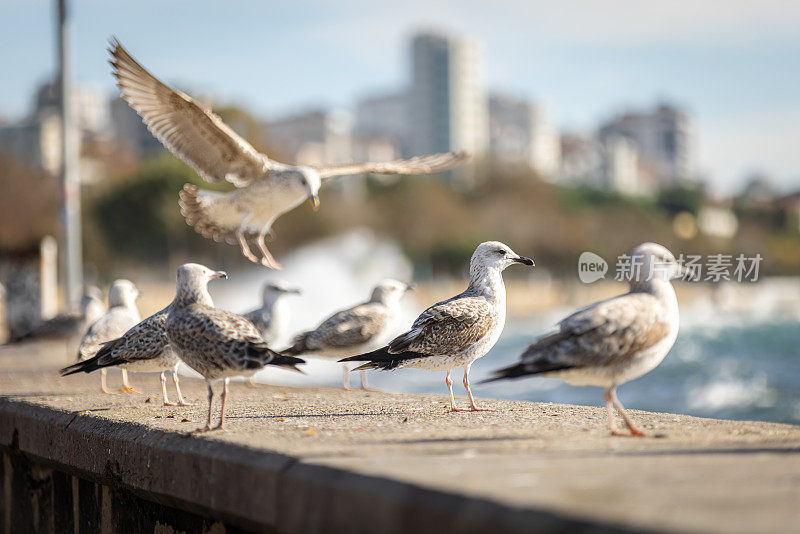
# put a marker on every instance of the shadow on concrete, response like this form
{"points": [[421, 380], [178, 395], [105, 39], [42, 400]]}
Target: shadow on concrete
{"points": [[319, 415]]}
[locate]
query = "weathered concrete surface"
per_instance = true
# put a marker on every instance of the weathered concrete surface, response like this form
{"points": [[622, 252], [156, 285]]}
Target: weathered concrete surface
{"points": [[317, 459]]}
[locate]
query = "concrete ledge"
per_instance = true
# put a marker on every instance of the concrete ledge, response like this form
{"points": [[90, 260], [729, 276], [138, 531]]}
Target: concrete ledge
{"points": [[246, 488], [323, 460]]}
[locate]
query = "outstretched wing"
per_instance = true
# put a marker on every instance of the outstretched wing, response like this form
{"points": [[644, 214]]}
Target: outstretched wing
{"points": [[416, 165], [196, 135]]}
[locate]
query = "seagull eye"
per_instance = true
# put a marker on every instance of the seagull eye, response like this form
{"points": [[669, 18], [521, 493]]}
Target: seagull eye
{"points": [[500, 251]]}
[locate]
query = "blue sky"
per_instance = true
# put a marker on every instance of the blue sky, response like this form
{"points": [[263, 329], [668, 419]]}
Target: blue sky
{"points": [[733, 64]]}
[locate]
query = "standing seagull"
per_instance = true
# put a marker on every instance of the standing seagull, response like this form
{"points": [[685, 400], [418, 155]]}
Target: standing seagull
{"points": [[359, 329], [69, 325], [267, 188], [272, 318], [215, 343], [458, 331], [121, 315], [616, 340], [144, 348]]}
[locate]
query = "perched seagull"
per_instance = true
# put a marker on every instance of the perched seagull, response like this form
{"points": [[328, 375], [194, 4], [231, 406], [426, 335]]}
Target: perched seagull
{"points": [[273, 316], [121, 315], [69, 325], [215, 343], [144, 348], [455, 332], [616, 340], [359, 329], [267, 188]]}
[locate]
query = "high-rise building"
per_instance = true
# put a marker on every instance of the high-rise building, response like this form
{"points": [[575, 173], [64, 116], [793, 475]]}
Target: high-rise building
{"points": [[381, 129], [312, 138], [36, 139], [662, 138], [519, 132], [448, 107]]}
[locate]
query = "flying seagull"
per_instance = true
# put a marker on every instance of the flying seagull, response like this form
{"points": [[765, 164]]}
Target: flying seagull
{"points": [[144, 348], [121, 315], [616, 340], [266, 188], [215, 343], [69, 325], [359, 329], [455, 332]]}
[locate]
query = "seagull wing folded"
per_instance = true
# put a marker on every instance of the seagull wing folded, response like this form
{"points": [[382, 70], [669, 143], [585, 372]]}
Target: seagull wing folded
{"points": [[230, 340], [604, 334], [447, 328], [145, 341], [114, 323], [196, 135], [416, 165], [350, 328]]}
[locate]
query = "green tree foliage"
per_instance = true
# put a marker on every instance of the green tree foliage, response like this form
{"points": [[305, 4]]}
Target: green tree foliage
{"points": [[138, 218], [681, 198]]}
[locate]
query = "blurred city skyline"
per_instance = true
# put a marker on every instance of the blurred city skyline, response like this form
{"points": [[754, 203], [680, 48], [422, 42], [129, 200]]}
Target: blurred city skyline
{"points": [[728, 68]]}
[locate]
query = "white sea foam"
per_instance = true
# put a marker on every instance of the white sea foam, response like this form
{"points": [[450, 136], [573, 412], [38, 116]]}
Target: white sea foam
{"points": [[732, 392]]}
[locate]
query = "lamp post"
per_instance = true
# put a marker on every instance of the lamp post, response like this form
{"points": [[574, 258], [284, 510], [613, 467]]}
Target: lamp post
{"points": [[72, 263]]}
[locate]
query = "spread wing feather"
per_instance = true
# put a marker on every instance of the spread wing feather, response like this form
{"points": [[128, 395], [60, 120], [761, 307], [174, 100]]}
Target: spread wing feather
{"points": [[196, 135], [416, 165]]}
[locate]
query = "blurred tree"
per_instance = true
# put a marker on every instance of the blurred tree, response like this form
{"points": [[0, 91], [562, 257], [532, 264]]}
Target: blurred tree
{"points": [[677, 199], [138, 216]]}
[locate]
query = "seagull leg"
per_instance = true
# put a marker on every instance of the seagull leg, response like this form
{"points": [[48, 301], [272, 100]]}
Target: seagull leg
{"points": [[126, 386], [472, 406], [449, 381], [251, 383], [246, 252], [364, 385], [181, 402], [103, 385], [163, 380], [610, 413], [621, 409], [210, 404], [346, 378], [221, 425], [267, 260]]}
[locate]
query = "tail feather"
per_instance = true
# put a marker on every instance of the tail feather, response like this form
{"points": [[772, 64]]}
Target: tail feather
{"points": [[100, 360], [85, 366], [299, 346], [287, 362], [383, 359], [259, 355], [525, 369], [197, 215]]}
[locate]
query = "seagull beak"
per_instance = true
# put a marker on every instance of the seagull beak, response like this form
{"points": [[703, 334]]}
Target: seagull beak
{"points": [[524, 261], [295, 291], [314, 199], [410, 287], [220, 274]]}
